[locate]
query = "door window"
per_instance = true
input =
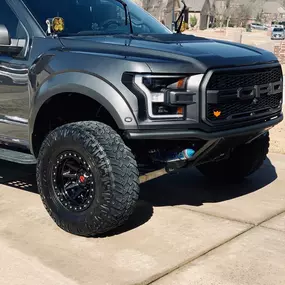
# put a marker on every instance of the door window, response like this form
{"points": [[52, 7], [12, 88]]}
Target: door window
{"points": [[15, 28]]}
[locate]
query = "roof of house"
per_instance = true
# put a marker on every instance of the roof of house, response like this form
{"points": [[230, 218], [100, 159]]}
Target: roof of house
{"points": [[196, 5], [273, 7]]}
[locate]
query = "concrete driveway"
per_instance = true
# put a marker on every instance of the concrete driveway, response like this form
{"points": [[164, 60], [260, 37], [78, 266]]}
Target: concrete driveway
{"points": [[185, 230]]}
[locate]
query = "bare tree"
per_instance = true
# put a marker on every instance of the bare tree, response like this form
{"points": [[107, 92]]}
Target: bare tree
{"points": [[147, 4], [243, 13], [223, 9], [238, 12]]}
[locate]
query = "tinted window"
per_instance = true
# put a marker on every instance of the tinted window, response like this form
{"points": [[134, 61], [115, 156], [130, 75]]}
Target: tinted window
{"points": [[95, 16], [9, 19], [278, 30]]}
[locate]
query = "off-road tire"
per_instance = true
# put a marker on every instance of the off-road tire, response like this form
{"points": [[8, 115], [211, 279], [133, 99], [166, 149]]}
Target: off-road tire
{"points": [[243, 162], [115, 173]]}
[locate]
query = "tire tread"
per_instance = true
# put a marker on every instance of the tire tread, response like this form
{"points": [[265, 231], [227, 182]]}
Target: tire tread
{"points": [[118, 171]]}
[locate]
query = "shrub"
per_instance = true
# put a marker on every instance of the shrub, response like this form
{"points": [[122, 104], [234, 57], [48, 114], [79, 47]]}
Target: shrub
{"points": [[193, 21]]}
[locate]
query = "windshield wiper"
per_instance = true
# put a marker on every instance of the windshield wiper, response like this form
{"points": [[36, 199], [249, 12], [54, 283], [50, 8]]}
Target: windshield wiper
{"points": [[127, 14], [178, 29]]}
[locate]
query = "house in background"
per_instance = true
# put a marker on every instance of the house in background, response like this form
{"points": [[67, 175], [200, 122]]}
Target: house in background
{"points": [[241, 12], [272, 11], [201, 10], [235, 12], [163, 10], [218, 12]]}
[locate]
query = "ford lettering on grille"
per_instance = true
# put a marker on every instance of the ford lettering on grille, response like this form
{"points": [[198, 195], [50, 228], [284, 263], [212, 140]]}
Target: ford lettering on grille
{"points": [[257, 91], [244, 95]]}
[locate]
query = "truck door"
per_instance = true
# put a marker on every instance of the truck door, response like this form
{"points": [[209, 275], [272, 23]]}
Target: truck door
{"points": [[14, 95]]}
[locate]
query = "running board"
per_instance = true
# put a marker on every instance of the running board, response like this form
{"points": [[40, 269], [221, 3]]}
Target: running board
{"points": [[17, 157]]}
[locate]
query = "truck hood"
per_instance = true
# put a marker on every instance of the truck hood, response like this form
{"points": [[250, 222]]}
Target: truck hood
{"points": [[201, 52]]}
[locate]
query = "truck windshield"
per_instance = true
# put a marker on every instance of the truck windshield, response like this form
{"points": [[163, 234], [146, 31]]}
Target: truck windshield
{"points": [[95, 16]]}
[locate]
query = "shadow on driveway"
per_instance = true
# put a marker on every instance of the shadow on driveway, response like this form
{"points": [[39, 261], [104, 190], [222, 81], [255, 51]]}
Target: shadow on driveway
{"points": [[188, 187]]}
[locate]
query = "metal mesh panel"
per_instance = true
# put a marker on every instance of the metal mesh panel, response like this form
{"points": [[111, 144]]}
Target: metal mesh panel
{"points": [[244, 79], [234, 108], [239, 109]]}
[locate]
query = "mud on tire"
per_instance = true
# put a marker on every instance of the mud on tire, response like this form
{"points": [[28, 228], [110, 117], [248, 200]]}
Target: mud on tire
{"points": [[243, 161], [103, 162]]}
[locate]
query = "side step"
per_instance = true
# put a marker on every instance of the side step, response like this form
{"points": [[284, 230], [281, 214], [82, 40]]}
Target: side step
{"points": [[17, 157]]}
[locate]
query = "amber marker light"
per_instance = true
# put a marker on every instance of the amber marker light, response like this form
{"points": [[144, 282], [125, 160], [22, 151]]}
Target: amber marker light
{"points": [[217, 114], [180, 111], [180, 83]]}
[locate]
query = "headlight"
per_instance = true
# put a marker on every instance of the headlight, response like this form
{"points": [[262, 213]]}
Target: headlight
{"points": [[168, 95], [157, 84]]}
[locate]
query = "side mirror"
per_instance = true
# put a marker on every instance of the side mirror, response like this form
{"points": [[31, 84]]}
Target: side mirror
{"points": [[5, 39], [6, 45]]}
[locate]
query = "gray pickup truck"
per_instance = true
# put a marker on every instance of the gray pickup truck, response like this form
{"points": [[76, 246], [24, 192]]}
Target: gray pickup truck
{"points": [[96, 91]]}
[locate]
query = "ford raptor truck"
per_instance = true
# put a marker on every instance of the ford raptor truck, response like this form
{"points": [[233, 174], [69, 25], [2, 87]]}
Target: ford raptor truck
{"points": [[95, 91]]}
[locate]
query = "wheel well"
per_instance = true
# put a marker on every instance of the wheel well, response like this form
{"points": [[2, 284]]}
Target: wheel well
{"points": [[66, 108]]}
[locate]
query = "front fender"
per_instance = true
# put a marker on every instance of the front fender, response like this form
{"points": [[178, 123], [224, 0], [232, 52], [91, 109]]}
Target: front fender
{"points": [[89, 85]]}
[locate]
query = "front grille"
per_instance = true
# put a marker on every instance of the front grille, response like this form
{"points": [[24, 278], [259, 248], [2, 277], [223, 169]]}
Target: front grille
{"points": [[237, 79], [227, 106], [241, 109]]}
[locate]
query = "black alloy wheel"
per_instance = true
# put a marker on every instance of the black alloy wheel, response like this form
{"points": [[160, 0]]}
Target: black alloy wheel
{"points": [[73, 181]]}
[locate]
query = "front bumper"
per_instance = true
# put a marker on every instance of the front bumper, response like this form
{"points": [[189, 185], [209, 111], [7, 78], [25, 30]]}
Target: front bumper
{"points": [[165, 134]]}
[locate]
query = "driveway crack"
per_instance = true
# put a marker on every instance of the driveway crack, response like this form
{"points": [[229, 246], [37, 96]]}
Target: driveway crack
{"points": [[155, 278]]}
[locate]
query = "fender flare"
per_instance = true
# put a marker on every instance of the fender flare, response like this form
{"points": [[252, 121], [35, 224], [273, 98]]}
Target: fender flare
{"points": [[86, 84]]}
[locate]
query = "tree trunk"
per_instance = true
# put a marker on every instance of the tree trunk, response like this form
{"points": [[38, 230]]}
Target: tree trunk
{"points": [[228, 21]]}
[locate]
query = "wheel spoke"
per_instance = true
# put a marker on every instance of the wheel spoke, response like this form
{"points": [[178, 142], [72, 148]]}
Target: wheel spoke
{"points": [[71, 186], [69, 165], [69, 175]]}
